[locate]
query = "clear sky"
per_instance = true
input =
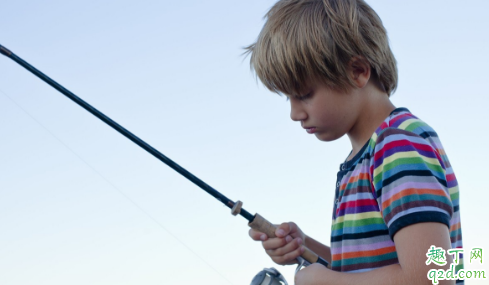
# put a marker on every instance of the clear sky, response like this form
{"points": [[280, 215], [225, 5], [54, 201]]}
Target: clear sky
{"points": [[80, 204]]}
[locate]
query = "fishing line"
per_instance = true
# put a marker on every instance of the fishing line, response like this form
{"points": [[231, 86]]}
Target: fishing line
{"points": [[113, 186], [256, 222]]}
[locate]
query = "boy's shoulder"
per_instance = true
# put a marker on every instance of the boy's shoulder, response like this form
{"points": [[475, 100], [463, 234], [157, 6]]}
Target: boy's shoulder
{"points": [[401, 127], [406, 145], [402, 121]]}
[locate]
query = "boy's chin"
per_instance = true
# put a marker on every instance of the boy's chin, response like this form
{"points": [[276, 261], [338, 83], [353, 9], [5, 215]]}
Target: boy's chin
{"points": [[328, 137]]}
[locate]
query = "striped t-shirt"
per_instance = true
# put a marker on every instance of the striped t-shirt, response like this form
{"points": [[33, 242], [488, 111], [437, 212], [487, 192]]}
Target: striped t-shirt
{"points": [[402, 176]]}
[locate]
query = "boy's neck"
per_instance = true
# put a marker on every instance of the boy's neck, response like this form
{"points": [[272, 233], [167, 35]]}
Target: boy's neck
{"points": [[375, 108]]}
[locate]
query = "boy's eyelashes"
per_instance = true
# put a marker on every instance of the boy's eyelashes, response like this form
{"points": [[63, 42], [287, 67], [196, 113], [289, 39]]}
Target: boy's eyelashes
{"points": [[299, 97], [303, 97], [306, 96]]}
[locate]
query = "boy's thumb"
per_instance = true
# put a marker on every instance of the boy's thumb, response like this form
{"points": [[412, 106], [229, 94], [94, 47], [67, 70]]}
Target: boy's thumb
{"points": [[283, 230]]}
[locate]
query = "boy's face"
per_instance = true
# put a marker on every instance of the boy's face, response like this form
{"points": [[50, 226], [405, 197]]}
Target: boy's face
{"points": [[327, 113]]}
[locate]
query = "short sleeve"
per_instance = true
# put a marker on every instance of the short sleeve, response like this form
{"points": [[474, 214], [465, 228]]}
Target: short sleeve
{"points": [[409, 180]]}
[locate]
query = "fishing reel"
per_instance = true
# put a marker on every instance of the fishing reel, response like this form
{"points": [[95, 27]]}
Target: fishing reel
{"points": [[271, 276]]}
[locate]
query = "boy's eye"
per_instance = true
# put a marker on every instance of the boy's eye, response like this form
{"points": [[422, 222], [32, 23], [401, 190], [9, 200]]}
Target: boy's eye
{"points": [[299, 97], [304, 97]]}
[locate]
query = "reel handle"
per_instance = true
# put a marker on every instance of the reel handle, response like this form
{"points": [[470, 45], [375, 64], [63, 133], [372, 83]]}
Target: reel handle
{"points": [[262, 225]]}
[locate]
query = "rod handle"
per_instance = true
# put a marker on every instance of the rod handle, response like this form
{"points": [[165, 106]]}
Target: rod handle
{"points": [[262, 225]]}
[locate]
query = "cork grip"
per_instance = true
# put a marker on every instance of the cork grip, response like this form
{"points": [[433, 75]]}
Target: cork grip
{"points": [[262, 225]]}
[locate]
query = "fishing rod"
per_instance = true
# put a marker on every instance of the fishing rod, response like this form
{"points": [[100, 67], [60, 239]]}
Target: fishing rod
{"points": [[256, 221]]}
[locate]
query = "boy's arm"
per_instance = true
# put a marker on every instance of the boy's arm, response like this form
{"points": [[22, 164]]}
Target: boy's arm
{"points": [[412, 244], [320, 249]]}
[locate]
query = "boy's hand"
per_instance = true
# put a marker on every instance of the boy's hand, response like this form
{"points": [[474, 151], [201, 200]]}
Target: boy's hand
{"points": [[286, 247]]}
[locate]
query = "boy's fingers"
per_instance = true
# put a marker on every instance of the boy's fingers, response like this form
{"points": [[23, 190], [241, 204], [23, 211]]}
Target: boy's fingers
{"points": [[283, 230], [274, 243], [291, 257], [279, 247], [256, 235], [288, 238], [287, 254]]}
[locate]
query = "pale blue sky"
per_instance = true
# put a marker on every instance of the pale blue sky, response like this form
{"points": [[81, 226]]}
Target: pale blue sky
{"points": [[80, 204]]}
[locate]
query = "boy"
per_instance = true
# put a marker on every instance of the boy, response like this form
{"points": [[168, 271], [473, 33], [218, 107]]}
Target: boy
{"points": [[396, 193]]}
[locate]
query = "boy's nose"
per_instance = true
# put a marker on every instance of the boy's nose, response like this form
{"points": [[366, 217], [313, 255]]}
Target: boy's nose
{"points": [[296, 112]]}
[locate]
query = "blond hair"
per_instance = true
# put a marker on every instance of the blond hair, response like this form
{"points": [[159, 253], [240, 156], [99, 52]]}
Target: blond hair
{"points": [[303, 40]]}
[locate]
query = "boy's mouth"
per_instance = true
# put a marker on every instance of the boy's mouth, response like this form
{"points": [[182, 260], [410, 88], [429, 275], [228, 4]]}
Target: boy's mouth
{"points": [[310, 130]]}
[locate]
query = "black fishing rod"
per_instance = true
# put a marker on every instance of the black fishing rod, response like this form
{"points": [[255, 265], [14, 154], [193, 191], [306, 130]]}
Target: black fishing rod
{"points": [[256, 221]]}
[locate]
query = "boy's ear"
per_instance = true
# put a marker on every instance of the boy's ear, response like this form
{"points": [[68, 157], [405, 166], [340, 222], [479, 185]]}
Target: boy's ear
{"points": [[360, 71]]}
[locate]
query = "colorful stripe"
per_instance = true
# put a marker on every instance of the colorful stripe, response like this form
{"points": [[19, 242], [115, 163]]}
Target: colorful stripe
{"points": [[401, 177]]}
